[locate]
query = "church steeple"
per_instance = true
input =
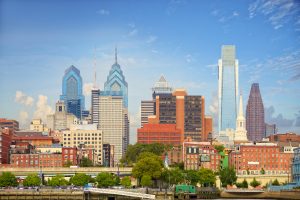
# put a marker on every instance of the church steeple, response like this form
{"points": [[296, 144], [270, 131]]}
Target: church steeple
{"points": [[241, 132], [241, 113]]}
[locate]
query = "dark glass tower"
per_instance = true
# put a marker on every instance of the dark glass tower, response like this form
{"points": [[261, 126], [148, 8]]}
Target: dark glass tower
{"points": [[72, 91], [255, 115]]}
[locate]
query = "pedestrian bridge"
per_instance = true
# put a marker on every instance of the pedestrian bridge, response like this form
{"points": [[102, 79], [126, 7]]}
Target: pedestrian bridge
{"points": [[119, 193]]}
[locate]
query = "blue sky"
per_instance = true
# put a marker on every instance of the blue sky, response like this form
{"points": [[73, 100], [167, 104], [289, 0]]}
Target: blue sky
{"points": [[180, 39]]}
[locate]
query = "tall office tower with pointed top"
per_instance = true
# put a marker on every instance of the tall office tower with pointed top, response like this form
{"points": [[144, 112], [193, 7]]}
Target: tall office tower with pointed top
{"points": [[255, 115], [116, 84], [228, 88], [72, 91], [241, 132], [113, 111]]}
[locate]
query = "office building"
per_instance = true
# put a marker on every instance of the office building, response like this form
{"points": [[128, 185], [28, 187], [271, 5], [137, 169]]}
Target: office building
{"points": [[85, 136], [9, 123], [116, 84], [147, 109], [37, 125], [228, 88], [296, 166], [5, 142], [72, 91], [60, 120], [251, 158], [112, 121], [95, 105], [270, 129], [255, 115]]}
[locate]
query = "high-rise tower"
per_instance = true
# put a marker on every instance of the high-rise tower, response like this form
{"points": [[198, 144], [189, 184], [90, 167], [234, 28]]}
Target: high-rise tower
{"points": [[72, 91], [255, 115], [116, 84], [228, 88]]}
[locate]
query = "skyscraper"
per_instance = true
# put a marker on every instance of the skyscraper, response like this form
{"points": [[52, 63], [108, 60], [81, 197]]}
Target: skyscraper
{"points": [[255, 115], [72, 91], [228, 88], [116, 84], [113, 111]]}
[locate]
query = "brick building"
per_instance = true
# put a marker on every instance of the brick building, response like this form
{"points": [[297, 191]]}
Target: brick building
{"points": [[200, 154], [285, 137], [36, 160], [253, 157], [159, 133], [9, 123], [69, 154], [5, 141]]}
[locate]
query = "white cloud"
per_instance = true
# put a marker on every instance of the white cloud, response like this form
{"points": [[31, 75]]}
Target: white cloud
{"points": [[189, 58], [103, 12], [87, 88], [42, 108], [23, 119], [224, 18], [278, 12], [24, 99], [133, 32], [151, 39]]}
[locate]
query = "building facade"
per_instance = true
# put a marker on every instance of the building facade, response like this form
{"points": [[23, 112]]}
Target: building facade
{"points": [[95, 105], [5, 142], [296, 166], [270, 129], [37, 125], [260, 158], [81, 137], [159, 133], [147, 109], [9, 123], [61, 119], [255, 115], [36, 160], [228, 88], [112, 123], [72, 91], [200, 154]]}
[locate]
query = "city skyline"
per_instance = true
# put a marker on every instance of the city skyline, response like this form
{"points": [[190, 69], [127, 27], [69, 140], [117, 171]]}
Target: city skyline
{"points": [[182, 41]]}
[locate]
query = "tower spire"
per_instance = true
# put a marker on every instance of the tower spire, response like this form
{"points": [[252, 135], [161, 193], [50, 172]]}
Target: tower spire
{"points": [[116, 55], [241, 113], [95, 74]]}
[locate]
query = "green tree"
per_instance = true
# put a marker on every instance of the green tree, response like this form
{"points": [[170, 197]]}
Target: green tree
{"points": [[151, 166], [172, 176], [275, 182], [191, 176], [179, 165], [86, 162], [105, 179], [146, 182], [244, 184], [262, 171], [68, 163], [219, 148], [80, 179], [126, 182], [8, 179], [206, 177], [58, 180], [32, 180], [254, 183], [227, 176]]}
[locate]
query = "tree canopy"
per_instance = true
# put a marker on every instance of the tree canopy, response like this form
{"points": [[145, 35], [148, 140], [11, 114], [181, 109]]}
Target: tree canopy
{"points": [[133, 151], [227, 176], [86, 162], [191, 176], [150, 165], [105, 179], [172, 176], [206, 177], [8, 179], [126, 182], [58, 180], [146, 181], [219, 148], [32, 180], [254, 183], [80, 179]]}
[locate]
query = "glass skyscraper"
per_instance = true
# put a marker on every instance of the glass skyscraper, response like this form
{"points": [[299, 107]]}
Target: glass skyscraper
{"points": [[72, 91], [116, 84], [228, 88]]}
